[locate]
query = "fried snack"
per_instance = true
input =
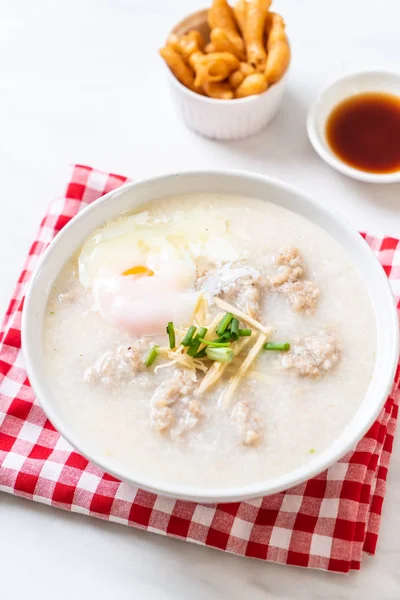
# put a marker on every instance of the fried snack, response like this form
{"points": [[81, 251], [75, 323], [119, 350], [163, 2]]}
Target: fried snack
{"points": [[179, 68], [212, 67], [236, 78], [268, 23], [246, 69], [228, 66], [192, 42], [240, 12], [277, 62], [255, 83], [210, 47], [187, 44], [275, 29], [257, 11], [174, 43], [220, 15], [278, 49], [220, 42], [218, 89]]}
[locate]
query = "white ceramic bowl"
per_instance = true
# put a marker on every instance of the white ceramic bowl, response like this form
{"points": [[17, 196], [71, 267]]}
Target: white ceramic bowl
{"points": [[222, 119], [131, 197], [356, 83]]}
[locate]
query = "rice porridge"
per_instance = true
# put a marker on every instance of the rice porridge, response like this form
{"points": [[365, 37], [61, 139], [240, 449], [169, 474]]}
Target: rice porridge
{"points": [[210, 340]]}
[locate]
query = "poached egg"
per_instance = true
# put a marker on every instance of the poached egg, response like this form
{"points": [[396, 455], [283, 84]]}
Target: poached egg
{"points": [[142, 270]]}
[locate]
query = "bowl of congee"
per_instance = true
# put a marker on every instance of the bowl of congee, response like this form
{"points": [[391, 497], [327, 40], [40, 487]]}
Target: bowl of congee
{"points": [[212, 336]]}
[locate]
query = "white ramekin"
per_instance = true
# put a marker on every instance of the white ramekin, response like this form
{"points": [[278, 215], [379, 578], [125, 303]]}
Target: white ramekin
{"points": [[377, 80], [134, 195], [226, 119], [222, 119]]}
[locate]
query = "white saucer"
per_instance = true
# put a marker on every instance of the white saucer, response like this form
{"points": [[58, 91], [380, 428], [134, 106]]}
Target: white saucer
{"points": [[356, 83]]}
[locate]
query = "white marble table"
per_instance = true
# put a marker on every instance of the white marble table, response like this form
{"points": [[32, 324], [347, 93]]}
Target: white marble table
{"points": [[80, 81]]}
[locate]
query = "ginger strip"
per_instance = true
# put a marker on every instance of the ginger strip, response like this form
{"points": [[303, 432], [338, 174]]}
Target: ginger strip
{"points": [[241, 315], [217, 369], [200, 311], [185, 361], [212, 327], [230, 390], [179, 355]]}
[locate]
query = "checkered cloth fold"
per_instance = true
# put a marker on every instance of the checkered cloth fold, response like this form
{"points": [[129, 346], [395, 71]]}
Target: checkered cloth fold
{"points": [[325, 523]]}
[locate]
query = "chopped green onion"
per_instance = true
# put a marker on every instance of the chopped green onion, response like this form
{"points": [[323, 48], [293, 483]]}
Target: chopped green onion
{"points": [[214, 343], [282, 347], [193, 348], [234, 329], [223, 326], [188, 337], [222, 340], [226, 337], [171, 334], [201, 354], [244, 332], [201, 333], [151, 356], [312, 450], [223, 355], [196, 342]]}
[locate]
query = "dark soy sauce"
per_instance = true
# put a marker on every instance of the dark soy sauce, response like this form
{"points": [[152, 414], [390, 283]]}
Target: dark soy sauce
{"points": [[364, 132]]}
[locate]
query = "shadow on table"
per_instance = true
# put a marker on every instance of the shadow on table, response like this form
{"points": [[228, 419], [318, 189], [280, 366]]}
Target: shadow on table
{"points": [[285, 141]]}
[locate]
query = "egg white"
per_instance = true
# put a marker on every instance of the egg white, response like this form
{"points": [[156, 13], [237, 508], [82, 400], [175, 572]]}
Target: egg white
{"points": [[168, 249]]}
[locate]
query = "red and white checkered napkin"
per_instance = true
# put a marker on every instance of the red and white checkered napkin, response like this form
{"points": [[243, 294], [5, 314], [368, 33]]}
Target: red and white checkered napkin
{"points": [[325, 523]]}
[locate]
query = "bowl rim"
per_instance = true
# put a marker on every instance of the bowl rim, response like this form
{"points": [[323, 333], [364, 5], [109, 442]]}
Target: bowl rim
{"points": [[31, 345], [219, 101], [325, 152]]}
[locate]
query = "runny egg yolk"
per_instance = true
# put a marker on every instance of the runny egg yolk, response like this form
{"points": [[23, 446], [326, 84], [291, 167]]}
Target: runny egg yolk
{"points": [[139, 270]]}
